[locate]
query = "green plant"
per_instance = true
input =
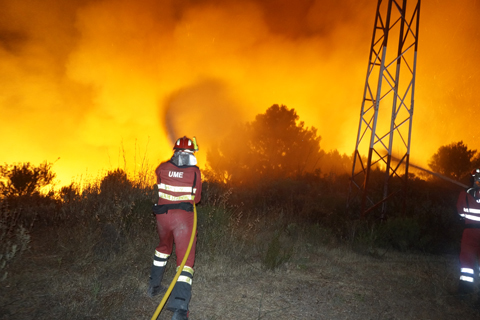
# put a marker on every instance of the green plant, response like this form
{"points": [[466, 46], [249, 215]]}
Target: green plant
{"points": [[276, 253]]}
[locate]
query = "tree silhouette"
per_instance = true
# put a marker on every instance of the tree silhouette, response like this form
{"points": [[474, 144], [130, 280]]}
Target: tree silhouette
{"points": [[24, 179], [454, 160], [335, 163], [115, 181], [275, 145]]}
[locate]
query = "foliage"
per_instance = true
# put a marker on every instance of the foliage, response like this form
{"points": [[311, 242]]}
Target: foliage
{"points": [[335, 163], [115, 181], [454, 160], [277, 253], [270, 218], [118, 201], [14, 238], [400, 233], [24, 189], [24, 179], [273, 146]]}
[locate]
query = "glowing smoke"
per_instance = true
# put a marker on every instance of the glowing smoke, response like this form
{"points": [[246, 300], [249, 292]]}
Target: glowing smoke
{"points": [[81, 78]]}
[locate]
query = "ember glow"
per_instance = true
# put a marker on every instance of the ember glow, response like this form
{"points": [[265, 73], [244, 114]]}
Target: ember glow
{"points": [[94, 81]]}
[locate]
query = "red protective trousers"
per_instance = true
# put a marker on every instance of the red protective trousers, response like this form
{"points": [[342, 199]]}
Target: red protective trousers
{"points": [[470, 250], [176, 226]]}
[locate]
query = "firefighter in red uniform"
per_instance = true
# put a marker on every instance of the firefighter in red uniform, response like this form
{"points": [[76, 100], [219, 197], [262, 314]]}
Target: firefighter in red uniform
{"points": [[468, 207], [179, 186]]}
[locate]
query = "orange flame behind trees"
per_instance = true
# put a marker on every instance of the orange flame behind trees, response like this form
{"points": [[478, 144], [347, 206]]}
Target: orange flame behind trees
{"points": [[92, 82]]}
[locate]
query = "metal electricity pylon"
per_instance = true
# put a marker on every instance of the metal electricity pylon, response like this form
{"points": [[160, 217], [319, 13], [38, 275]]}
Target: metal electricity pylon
{"points": [[387, 108]]}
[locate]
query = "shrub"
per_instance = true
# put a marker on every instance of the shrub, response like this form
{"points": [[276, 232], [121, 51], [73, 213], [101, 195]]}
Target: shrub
{"points": [[24, 179], [400, 233], [14, 238], [215, 220], [277, 253]]}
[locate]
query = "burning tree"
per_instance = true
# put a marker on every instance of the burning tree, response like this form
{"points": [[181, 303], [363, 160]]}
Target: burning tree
{"points": [[275, 145], [454, 161]]}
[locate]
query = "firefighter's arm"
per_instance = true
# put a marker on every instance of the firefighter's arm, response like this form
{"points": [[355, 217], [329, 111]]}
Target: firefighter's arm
{"points": [[157, 173]]}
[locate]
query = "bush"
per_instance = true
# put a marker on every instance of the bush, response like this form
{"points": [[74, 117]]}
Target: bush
{"points": [[215, 220], [277, 253], [400, 233], [24, 179], [14, 238]]}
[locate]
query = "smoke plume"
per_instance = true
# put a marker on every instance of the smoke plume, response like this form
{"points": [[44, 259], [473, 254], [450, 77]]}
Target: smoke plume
{"points": [[94, 82]]}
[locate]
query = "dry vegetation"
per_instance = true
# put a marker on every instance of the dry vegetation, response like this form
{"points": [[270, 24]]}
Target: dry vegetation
{"points": [[89, 254]]}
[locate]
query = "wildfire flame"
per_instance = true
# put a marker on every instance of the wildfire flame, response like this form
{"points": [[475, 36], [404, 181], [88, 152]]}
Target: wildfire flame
{"points": [[93, 82]]}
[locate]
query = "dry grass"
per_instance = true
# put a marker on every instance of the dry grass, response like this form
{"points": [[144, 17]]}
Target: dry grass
{"points": [[76, 273], [91, 260]]}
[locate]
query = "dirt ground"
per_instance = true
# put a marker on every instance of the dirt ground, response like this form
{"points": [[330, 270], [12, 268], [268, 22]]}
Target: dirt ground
{"points": [[48, 282], [332, 285]]}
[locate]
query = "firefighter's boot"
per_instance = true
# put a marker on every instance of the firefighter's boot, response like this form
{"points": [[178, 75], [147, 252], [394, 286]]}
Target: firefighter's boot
{"points": [[180, 314], [181, 294], [465, 290], [156, 274]]}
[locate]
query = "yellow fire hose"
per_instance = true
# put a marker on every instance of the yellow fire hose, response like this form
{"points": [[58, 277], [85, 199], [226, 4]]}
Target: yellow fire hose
{"points": [[179, 271]]}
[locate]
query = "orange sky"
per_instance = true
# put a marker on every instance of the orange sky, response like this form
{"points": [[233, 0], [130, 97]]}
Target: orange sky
{"points": [[91, 81]]}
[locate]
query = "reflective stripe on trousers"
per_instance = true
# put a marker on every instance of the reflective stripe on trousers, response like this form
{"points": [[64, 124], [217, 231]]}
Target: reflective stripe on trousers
{"points": [[182, 291]]}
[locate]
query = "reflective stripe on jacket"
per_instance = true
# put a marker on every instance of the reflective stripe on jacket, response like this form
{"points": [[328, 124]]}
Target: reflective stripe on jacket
{"points": [[178, 184], [468, 206]]}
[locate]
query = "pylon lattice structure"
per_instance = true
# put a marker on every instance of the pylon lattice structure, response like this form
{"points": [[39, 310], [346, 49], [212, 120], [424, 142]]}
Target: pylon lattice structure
{"points": [[384, 132]]}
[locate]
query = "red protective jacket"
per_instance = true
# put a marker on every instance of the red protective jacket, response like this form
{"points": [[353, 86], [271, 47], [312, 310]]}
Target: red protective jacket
{"points": [[178, 184], [468, 207]]}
